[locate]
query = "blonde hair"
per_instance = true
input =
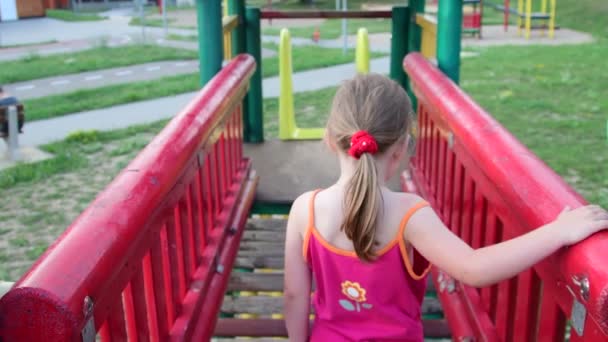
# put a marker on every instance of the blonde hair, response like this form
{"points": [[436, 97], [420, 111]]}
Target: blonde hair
{"points": [[378, 105]]}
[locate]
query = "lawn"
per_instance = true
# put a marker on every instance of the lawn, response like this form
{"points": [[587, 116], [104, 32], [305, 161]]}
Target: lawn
{"points": [[332, 28], [35, 66], [67, 15], [553, 98], [304, 58], [46, 197]]}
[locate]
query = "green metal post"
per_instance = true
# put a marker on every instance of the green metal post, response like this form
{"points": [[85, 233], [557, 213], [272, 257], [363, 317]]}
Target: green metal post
{"points": [[237, 7], [449, 30], [210, 38], [399, 44], [253, 122], [416, 7]]}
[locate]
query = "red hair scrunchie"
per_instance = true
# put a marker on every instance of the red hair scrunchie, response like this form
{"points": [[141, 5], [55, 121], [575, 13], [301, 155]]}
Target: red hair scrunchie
{"points": [[362, 142]]}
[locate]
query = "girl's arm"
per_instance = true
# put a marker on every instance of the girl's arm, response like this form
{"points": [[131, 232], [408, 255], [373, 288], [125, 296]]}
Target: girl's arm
{"points": [[492, 264], [297, 274]]}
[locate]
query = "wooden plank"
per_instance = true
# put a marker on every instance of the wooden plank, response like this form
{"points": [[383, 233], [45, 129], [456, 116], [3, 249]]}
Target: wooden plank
{"points": [[260, 261], [244, 281], [266, 224], [264, 235], [434, 328], [262, 246], [266, 305]]}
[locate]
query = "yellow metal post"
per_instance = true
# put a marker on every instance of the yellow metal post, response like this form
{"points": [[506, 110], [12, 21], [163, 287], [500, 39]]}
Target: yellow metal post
{"points": [[520, 13], [428, 25], [552, 19], [528, 18], [287, 117], [543, 10], [288, 130], [362, 51]]}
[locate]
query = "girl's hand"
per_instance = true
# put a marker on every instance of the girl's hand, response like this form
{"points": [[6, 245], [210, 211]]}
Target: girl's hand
{"points": [[576, 225]]}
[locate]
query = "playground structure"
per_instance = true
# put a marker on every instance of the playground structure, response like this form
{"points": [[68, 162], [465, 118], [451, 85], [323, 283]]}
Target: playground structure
{"points": [[288, 128], [525, 15], [153, 255]]}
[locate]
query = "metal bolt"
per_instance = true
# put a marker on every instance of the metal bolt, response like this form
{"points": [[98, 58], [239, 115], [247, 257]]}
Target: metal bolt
{"points": [[88, 306], [219, 269], [583, 284]]}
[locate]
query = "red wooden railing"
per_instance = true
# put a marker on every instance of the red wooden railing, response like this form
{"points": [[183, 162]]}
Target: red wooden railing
{"points": [[487, 187], [159, 241]]}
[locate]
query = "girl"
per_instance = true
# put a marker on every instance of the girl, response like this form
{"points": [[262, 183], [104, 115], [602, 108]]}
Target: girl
{"points": [[358, 239]]}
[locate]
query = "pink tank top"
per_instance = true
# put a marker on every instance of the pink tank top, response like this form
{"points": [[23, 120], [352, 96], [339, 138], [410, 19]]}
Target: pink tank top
{"points": [[359, 301]]}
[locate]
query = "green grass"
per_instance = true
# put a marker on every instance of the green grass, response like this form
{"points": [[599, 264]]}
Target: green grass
{"points": [[67, 15], [154, 22], [28, 44], [304, 58], [34, 66], [552, 98], [311, 108], [71, 153]]}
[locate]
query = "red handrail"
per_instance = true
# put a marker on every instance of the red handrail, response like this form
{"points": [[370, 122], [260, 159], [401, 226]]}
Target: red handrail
{"points": [[138, 259], [488, 187]]}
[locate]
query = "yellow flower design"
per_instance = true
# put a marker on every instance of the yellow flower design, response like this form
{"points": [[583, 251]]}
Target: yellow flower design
{"points": [[354, 291]]}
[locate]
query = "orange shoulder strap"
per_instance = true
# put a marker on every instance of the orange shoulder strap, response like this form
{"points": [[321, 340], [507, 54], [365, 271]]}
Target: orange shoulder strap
{"points": [[402, 245]]}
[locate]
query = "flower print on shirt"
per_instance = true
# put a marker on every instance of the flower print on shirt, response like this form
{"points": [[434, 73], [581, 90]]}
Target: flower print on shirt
{"points": [[356, 293]]}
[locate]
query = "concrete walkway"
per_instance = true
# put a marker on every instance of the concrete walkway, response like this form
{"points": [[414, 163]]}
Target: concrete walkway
{"points": [[95, 79], [46, 131]]}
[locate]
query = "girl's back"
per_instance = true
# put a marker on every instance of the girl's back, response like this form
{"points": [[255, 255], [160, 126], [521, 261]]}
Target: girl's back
{"points": [[350, 239], [358, 300]]}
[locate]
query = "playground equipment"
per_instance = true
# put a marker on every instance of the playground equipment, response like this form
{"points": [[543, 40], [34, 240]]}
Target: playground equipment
{"points": [[288, 128], [471, 18], [525, 15], [151, 258], [362, 51]]}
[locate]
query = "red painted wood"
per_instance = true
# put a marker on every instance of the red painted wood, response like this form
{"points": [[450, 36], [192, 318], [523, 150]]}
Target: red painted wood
{"points": [[127, 300], [208, 317], [552, 323], [468, 208], [165, 307], [176, 260], [150, 297], [140, 306], [528, 304], [97, 253], [188, 240], [521, 190], [117, 328]]}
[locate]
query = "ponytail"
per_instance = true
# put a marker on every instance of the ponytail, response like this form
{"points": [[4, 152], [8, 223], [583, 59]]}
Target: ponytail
{"points": [[361, 200]]}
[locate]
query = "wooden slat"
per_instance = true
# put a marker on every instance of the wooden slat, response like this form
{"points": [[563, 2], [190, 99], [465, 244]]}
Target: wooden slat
{"points": [[262, 235], [266, 224], [242, 281], [260, 261], [266, 305], [435, 328], [263, 246]]}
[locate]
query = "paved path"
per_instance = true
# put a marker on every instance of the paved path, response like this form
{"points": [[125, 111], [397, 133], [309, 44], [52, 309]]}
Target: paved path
{"points": [[95, 79], [45, 131]]}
